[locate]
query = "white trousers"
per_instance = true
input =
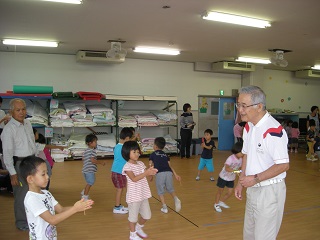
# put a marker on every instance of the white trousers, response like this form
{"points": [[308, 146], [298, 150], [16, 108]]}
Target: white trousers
{"points": [[264, 211]]}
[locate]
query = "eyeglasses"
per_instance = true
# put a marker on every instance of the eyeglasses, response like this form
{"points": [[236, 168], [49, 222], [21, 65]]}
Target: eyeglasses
{"points": [[244, 106]]}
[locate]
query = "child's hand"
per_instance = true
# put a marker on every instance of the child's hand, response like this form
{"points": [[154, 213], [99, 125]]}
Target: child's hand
{"points": [[178, 178], [151, 171], [151, 178], [83, 205]]}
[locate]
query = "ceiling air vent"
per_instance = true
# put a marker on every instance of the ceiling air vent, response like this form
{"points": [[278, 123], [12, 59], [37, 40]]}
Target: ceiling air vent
{"points": [[95, 56], [309, 73], [232, 67]]}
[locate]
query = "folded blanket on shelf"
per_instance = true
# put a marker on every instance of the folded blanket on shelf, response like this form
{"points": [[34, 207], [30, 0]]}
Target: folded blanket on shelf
{"points": [[90, 95]]}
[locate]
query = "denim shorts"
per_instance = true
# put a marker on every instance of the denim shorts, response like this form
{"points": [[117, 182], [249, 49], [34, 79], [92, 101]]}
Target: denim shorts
{"points": [[90, 178]]}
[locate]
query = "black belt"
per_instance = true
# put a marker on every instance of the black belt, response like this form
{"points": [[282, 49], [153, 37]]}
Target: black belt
{"points": [[18, 159]]}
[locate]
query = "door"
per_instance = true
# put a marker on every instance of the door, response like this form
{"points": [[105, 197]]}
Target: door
{"points": [[225, 123]]}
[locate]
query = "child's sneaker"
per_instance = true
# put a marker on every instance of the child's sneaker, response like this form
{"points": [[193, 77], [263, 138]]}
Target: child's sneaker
{"points": [[140, 231], [134, 236], [120, 210], [211, 179], [125, 208], [164, 210], [296, 151], [197, 178], [85, 197], [82, 193], [217, 208], [222, 204], [177, 204]]}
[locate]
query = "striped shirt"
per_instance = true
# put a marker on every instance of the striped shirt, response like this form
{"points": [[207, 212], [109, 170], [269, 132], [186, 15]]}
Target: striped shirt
{"points": [[140, 190], [89, 166]]}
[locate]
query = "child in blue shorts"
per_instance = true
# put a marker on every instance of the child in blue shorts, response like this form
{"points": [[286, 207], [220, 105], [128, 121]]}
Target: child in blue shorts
{"points": [[206, 159]]}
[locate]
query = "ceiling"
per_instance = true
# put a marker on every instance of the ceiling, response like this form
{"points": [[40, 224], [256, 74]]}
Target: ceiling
{"points": [[89, 26]]}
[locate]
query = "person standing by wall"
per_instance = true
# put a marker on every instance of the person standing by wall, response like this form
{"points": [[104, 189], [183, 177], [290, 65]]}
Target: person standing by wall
{"points": [[18, 142], [264, 166], [187, 124]]}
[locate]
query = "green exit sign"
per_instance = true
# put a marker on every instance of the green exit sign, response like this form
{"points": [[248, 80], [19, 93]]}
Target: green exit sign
{"points": [[221, 92]]}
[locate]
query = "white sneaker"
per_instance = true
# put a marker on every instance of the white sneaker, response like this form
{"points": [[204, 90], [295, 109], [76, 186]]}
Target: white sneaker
{"points": [[197, 178], [82, 193], [217, 208], [164, 210], [212, 179], [85, 197], [134, 236], [125, 208], [140, 231], [222, 204], [177, 204], [120, 210]]}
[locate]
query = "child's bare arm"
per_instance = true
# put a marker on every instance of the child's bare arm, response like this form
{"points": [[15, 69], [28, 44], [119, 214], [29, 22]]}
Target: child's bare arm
{"points": [[174, 173], [95, 161], [150, 171], [65, 212], [228, 168]]}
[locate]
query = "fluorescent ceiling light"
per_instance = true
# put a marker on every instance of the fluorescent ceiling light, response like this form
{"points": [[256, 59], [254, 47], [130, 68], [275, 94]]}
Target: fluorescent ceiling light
{"points": [[317, 67], [253, 60], [165, 51], [235, 19], [65, 1], [29, 43]]}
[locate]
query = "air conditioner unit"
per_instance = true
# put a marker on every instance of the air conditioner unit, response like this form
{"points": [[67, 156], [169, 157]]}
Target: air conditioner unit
{"points": [[309, 73], [93, 56], [232, 67]]}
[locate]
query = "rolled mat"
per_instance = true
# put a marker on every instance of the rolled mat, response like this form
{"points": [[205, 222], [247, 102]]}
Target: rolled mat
{"points": [[32, 89]]}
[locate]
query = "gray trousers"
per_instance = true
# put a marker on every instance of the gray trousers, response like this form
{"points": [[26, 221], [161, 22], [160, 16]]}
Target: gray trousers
{"points": [[19, 193], [264, 211]]}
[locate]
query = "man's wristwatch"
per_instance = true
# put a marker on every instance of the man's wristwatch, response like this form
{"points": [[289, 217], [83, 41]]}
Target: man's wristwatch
{"points": [[256, 178]]}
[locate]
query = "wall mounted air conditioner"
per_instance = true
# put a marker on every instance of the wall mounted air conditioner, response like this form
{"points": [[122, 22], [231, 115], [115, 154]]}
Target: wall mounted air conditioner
{"points": [[94, 56], [309, 73], [232, 67]]}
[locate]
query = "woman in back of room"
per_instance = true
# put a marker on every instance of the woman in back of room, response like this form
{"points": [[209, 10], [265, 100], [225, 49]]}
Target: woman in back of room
{"points": [[187, 124]]}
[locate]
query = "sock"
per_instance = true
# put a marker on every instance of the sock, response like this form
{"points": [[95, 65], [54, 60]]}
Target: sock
{"points": [[164, 206], [117, 206]]}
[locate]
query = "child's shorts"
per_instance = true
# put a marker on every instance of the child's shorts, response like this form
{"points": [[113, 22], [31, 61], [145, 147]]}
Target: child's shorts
{"points": [[164, 182], [90, 177], [141, 207], [206, 163], [221, 183], [119, 180]]}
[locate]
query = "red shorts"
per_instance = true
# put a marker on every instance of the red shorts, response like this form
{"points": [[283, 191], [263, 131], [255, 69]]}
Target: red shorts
{"points": [[119, 180]]}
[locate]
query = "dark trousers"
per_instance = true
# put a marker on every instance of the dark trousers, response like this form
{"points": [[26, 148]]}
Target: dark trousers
{"points": [[186, 137], [19, 192]]}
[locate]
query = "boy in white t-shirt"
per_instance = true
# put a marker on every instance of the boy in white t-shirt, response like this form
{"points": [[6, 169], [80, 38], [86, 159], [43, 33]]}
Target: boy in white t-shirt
{"points": [[42, 210], [227, 176]]}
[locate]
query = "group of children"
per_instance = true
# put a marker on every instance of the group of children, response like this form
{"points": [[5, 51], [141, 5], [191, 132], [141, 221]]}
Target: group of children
{"points": [[312, 138], [126, 172]]}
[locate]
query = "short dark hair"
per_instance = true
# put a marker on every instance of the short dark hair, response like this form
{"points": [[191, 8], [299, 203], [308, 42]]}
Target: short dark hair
{"points": [[126, 132], [1, 99], [312, 122], [208, 131], [186, 106], [28, 166], [313, 108], [237, 147], [127, 148], [295, 125], [41, 139], [160, 142], [90, 138]]}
